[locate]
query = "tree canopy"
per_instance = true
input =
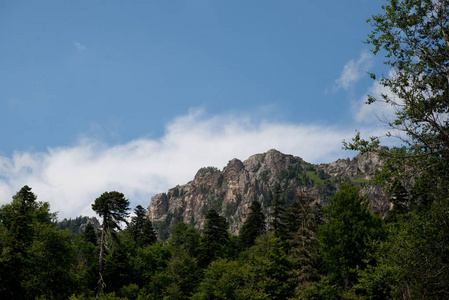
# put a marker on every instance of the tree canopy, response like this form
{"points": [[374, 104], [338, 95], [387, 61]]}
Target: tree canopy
{"points": [[113, 208], [253, 226]]}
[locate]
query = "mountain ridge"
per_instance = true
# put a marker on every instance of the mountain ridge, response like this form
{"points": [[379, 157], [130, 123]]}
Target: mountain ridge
{"points": [[230, 191]]}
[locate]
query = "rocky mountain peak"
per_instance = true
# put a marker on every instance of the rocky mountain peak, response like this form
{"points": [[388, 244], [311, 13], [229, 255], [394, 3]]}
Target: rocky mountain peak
{"points": [[230, 191]]}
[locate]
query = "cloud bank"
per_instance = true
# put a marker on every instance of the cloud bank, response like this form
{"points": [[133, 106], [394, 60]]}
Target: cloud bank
{"points": [[70, 178]]}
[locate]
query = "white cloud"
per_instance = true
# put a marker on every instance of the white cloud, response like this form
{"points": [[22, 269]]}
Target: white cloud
{"points": [[379, 110], [354, 70], [70, 178], [79, 46]]}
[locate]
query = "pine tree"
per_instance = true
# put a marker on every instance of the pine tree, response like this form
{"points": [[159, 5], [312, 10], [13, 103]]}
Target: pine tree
{"points": [[349, 234], [304, 252], [113, 208], [399, 199], [141, 228], [277, 223], [36, 257], [215, 237], [253, 226], [89, 235]]}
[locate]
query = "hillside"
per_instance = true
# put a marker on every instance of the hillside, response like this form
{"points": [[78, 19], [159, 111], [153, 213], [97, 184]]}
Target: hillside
{"points": [[230, 191]]}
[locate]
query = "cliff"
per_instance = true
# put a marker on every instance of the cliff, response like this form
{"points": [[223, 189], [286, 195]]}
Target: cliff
{"points": [[231, 190]]}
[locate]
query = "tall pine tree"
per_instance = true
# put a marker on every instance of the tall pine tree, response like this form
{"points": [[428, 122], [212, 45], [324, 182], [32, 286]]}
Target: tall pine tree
{"points": [[113, 208], [253, 226], [215, 237]]}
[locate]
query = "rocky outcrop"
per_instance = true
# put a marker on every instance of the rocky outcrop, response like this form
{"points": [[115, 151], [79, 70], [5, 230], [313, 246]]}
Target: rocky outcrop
{"points": [[231, 190]]}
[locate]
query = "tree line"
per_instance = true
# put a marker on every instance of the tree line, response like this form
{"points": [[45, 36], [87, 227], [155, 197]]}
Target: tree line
{"points": [[341, 251]]}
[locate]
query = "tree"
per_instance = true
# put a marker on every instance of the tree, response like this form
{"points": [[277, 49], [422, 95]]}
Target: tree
{"points": [[277, 224], [182, 270], [87, 260], [399, 199], [141, 228], [413, 263], [89, 234], [348, 236], [215, 236], [414, 35], [253, 226], [223, 279], [304, 243], [36, 258], [266, 266], [259, 273], [184, 238], [113, 208], [50, 273], [17, 232]]}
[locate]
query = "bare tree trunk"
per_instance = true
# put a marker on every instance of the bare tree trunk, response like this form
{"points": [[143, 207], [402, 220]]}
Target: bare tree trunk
{"points": [[101, 284]]}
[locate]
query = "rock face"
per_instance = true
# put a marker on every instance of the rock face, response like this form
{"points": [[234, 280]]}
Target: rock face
{"points": [[231, 191]]}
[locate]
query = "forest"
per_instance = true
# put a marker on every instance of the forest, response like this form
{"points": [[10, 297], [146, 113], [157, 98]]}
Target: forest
{"points": [[303, 251]]}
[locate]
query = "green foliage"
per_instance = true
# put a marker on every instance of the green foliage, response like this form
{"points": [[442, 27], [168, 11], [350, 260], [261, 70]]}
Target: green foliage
{"points": [[277, 224], [348, 235], [77, 225], [325, 289], [304, 243], [414, 35], [267, 268], [222, 280], [163, 228], [259, 273], [209, 170], [86, 264], [90, 235], [141, 229], [184, 238], [183, 275], [147, 263], [414, 261], [51, 255], [113, 208], [215, 236], [36, 257], [253, 226], [353, 255]]}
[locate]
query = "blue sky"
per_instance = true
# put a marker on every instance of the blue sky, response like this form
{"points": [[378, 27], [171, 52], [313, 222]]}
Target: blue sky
{"points": [[135, 96]]}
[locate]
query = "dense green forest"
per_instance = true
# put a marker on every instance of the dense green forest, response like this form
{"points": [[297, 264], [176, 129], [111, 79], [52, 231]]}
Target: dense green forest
{"points": [[340, 251]]}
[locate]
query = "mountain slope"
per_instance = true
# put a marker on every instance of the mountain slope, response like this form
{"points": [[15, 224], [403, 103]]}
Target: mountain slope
{"points": [[231, 191]]}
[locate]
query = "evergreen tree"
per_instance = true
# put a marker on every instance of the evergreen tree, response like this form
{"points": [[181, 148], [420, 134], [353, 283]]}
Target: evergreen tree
{"points": [[113, 208], [399, 199], [348, 235], [277, 223], [149, 236], [141, 228], [183, 270], [305, 244], [17, 233], [89, 234], [215, 237], [36, 258], [253, 226], [185, 238]]}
